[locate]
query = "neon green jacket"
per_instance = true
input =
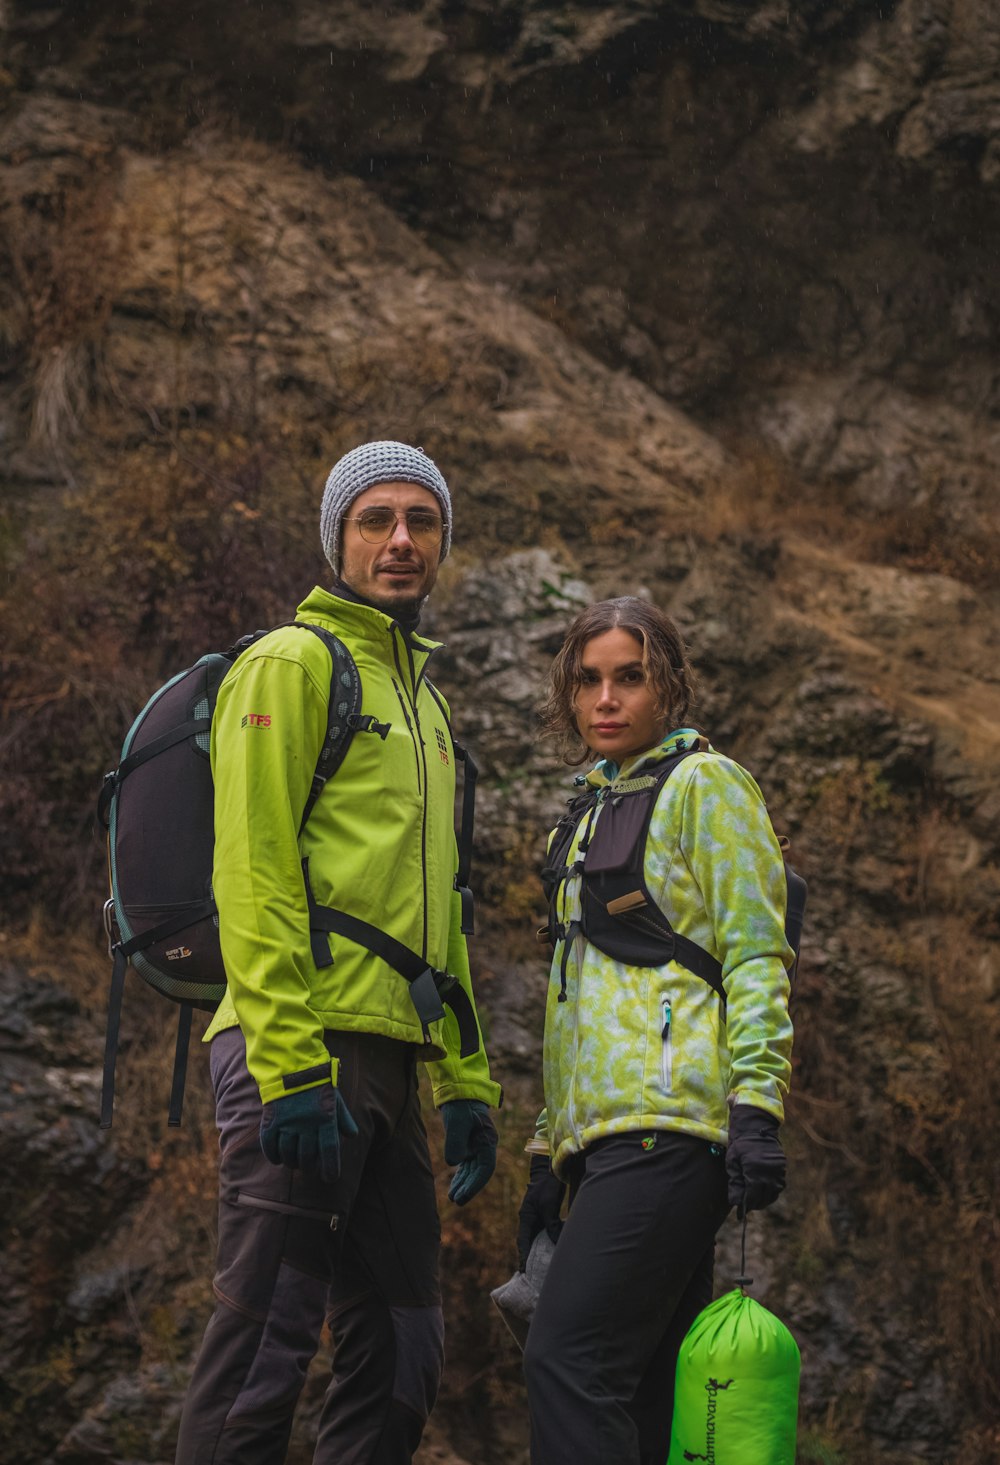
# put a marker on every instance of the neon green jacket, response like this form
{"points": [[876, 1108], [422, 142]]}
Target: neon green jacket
{"points": [[651, 1047], [380, 843]]}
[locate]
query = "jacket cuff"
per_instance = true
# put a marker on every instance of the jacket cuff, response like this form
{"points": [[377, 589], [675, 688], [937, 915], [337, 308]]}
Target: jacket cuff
{"points": [[490, 1093], [303, 1078], [754, 1100]]}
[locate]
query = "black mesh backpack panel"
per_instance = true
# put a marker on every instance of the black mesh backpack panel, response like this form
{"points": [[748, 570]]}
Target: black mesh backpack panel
{"points": [[161, 839]]}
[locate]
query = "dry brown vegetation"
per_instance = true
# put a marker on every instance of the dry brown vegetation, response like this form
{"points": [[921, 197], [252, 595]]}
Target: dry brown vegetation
{"points": [[64, 252], [896, 1071], [762, 497]]}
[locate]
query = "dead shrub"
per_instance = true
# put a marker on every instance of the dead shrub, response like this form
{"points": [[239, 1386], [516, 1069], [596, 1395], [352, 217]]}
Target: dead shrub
{"points": [[762, 497], [65, 255]]}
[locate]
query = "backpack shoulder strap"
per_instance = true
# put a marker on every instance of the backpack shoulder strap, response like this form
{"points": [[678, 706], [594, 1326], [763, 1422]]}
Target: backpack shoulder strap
{"points": [[344, 707], [343, 715], [554, 867]]}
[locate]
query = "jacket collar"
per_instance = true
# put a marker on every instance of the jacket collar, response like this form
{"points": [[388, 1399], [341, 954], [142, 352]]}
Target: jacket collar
{"points": [[358, 619], [605, 773], [343, 591]]}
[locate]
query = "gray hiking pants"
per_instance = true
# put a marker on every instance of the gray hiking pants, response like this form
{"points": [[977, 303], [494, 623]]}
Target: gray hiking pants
{"points": [[632, 1269], [284, 1266]]}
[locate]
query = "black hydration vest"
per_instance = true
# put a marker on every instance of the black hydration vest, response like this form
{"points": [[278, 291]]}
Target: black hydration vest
{"points": [[618, 914]]}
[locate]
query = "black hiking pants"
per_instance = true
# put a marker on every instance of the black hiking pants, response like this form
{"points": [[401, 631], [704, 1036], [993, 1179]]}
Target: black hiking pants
{"points": [[632, 1269], [285, 1264]]}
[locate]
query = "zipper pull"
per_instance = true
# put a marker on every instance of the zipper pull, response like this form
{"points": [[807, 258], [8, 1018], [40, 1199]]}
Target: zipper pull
{"points": [[666, 1048]]}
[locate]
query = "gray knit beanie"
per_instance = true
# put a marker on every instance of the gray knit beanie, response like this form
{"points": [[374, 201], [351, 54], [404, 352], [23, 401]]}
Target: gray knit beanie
{"points": [[382, 462]]}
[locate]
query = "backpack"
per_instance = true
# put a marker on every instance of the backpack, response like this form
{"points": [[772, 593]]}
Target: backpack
{"points": [[158, 809], [618, 914]]}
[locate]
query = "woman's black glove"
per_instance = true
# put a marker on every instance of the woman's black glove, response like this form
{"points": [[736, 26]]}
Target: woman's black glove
{"points": [[540, 1208], [755, 1161]]}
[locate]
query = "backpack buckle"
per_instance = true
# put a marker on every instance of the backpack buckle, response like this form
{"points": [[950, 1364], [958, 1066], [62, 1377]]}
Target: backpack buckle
{"points": [[111, 925], [445, 983], [108, 790]]}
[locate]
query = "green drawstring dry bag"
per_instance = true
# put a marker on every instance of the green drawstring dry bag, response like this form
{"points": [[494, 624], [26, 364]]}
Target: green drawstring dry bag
{"points": [[737, 1393]]}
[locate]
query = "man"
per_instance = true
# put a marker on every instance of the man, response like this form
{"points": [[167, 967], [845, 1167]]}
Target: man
{"points": [[327, 1203]]}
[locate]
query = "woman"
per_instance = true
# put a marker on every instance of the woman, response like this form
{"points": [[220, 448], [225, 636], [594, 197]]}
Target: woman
{"points": [[667, 1042]]}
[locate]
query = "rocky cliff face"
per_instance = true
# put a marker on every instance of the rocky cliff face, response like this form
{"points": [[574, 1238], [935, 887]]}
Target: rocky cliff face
{"points": [[694, 300]]}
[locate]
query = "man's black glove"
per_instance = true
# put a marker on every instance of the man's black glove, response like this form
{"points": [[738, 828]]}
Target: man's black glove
{"points": [[540, 1208], [303, 1130], [470, 1142], [755, 1161]]}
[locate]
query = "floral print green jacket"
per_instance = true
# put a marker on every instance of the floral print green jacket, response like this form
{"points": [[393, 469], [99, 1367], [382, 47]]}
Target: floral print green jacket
{"points": [[646, 1048]]}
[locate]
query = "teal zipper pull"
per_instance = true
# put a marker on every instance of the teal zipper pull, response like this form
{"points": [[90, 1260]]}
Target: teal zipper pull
{"points": [[666, 1048]]}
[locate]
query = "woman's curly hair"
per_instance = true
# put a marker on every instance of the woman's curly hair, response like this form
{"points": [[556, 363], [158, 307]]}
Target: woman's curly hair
{"points": [[665, 665]]}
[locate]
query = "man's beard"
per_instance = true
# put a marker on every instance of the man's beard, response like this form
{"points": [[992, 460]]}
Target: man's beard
{"points": [[405, 611]]}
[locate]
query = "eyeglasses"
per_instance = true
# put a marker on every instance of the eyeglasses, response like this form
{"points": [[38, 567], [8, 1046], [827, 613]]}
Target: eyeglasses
{"points": [[377, 525]]}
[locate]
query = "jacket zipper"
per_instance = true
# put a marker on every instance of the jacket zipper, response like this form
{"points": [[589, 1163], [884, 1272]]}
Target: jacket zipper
{"points": [[666, 1046], [409, 726], [418, 748]]}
